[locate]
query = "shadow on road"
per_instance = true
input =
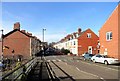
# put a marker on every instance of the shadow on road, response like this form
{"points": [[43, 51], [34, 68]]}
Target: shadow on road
{"points": [[38, 73]]}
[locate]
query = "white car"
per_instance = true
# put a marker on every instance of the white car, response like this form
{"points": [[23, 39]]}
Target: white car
{"points": [[104, 59]]}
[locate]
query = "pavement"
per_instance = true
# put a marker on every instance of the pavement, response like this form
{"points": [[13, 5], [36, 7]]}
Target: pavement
{"points": [[39, 72]]}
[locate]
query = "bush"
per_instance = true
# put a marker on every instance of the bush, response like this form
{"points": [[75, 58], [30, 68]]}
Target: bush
{"points": [[65, 51]]}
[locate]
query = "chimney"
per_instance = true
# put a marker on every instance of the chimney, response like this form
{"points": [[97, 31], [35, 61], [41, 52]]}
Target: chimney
{"points": [[17, 26], [30, 34], [23, 31], [79, 30]]}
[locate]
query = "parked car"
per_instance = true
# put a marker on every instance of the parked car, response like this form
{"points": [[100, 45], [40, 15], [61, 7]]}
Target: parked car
{"points": [[84, 54], [104, 59], [87, 56], [2, 66]]}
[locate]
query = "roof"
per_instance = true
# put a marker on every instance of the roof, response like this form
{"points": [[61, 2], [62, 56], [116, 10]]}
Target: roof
{"points": [[25, 33], [15, 31], [73, 36]]}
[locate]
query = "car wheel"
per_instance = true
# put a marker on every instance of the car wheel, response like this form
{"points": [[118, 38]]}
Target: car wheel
{"points": [[106, 62], [94, 61]]}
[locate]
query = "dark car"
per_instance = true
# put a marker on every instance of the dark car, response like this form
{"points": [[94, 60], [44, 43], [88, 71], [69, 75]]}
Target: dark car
{"points": [[2, 66], [88, 56]]}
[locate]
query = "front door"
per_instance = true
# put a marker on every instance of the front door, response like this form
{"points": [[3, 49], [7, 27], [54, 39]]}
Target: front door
{"points": [[90, 49]]}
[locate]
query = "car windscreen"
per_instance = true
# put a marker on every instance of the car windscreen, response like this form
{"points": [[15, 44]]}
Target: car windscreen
{"points": [[91, 55], [106, 56]]}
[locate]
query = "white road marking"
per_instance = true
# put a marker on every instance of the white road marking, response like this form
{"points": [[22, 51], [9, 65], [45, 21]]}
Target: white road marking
{"points": [[77, 60], [102, 79], [91, 74], [65, 60], [100, 66], [59, 60], [77, 68], [53, 60], [66, 63], [48, 60]]}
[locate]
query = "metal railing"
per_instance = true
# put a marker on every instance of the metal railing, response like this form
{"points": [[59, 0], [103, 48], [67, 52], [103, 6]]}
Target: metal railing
{"points": [[15, 75]]}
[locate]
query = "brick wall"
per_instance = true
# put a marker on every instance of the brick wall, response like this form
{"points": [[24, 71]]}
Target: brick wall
{"points": [[119, 32], [18, 42], [110, 25]]}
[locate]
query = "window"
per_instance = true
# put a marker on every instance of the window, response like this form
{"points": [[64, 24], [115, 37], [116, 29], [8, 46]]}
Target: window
{"points": [[98, 55], [66, 44], [71, 43], [88, 35], [76, 35], [109, 36], [68, 38], [74, 42]]}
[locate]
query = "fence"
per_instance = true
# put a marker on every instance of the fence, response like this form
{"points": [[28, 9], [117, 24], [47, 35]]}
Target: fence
{"points": [[15, 75]]}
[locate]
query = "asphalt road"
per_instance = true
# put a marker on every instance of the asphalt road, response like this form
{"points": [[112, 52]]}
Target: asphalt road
{"points": [[73, 68]]}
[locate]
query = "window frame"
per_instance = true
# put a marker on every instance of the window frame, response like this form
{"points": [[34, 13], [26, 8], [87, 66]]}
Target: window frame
{"points": [[109, 36], [89, 35], [74, 43]]}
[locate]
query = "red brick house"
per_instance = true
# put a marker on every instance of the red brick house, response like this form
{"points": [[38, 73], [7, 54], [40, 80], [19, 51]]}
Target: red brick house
{"points": [[109, 36], [87, 42], [80, 42], [20, 42]]}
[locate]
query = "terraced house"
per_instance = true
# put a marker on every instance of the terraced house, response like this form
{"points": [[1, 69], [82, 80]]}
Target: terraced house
{"points": [[19, 42], [80, 42], [110, 36]]}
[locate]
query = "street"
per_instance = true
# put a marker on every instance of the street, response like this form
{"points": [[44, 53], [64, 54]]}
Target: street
{"points": [[73, 68]]}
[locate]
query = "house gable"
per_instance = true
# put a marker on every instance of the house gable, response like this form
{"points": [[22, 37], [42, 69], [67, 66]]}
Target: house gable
{"points": [[83, 35], [110, 47]]}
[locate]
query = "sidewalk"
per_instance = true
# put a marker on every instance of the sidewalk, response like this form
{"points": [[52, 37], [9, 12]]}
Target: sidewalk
{"points": [[39, 73]]}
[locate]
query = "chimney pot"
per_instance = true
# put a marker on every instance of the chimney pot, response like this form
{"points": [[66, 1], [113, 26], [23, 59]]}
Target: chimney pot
{"points": [[79, 30], [30, 34]]}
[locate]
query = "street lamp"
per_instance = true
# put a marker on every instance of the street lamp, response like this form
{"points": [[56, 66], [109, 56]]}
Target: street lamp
{"points": [[2, 45], [43, 34], [43, 40]]}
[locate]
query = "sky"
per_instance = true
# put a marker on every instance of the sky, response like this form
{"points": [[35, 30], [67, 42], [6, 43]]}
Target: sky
{"points": [[58, 18]]}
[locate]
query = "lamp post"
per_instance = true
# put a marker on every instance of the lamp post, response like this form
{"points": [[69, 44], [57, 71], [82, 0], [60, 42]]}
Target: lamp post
{"points": [[43, 41], [43, 34], [2, 45]]}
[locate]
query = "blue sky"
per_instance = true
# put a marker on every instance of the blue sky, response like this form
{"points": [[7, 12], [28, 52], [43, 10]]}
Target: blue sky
{"points": [[58, 18]]}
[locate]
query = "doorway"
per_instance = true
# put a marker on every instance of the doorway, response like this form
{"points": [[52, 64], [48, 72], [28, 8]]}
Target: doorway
{"points": [[90, 49]]}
